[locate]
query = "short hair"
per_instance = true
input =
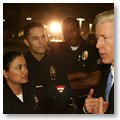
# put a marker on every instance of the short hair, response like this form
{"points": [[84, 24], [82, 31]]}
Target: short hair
{"points": [[104, 16], [69, 19], [9, 57], [30, 26]]}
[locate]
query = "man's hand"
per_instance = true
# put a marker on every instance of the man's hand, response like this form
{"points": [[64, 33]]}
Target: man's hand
{"points": [[95, 105], [101, 107], [91, 102]]}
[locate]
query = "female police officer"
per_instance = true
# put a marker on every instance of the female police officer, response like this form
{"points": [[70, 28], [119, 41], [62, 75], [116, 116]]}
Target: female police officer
{"points": [[17, 98]]}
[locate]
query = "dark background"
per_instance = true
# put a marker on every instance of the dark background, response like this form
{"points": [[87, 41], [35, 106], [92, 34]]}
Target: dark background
{"points": [[15, 17]]}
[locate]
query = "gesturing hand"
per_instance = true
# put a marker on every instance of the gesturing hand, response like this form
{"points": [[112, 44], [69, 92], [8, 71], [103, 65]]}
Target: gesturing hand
{"points": [[91, 102], [95, 105], [101, 107]]}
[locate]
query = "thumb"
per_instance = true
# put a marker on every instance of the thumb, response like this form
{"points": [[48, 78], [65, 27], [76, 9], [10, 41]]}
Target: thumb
{"points": [[91, 92], [101, 110]]}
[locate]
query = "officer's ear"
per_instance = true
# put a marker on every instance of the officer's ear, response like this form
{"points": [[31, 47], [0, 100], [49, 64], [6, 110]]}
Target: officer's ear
{"points": [[5, 74], [26, 42]]}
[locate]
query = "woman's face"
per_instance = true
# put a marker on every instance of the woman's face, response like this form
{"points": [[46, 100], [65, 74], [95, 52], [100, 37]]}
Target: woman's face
{"points": [[18, 72]]}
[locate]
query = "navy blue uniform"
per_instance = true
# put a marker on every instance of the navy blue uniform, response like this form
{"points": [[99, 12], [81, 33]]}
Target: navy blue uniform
{"points": [[43, 76], [13, 105], [84, 59]]}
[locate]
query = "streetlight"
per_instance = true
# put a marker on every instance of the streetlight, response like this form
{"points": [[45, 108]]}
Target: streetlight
{"points": [[90, 27], [80, 21], [55, 27], [28, 18]]}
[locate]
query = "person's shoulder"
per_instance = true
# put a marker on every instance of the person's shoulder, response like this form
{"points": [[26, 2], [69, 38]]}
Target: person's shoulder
{"points": [[6, 90], [5, 86]]}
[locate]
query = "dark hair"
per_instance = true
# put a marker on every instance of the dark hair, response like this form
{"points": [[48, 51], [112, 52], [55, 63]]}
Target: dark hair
{"points": [[91, 38], [8, 58], [30, 26], [69, 19]]}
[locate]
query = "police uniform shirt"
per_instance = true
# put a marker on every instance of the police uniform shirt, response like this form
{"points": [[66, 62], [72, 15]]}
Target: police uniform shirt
{"points": [[84, 59], [39, 75], [40, 78], [13, 105]]}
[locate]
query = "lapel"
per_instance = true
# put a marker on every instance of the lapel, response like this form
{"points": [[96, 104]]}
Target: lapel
{"points": [[104, 82]]}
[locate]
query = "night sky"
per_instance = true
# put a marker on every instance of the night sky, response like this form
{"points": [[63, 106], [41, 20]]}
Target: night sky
{"points": [[16, 13]]}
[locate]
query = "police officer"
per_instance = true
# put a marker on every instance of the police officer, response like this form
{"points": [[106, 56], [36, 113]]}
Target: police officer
{"points": [[78, 61], [42, 71], [18, 98]]}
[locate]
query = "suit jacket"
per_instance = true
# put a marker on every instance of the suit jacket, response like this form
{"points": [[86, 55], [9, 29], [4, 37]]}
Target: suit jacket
{"points": [[110, 109]]}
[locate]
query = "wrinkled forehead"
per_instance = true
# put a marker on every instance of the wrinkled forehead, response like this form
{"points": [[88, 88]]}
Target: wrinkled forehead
{"points": [[105, 22], [105, 26]]}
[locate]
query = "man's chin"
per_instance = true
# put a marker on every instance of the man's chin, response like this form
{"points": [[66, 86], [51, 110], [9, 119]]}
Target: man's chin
{"points": [[105, 61], [42, 51], [73, 44]]}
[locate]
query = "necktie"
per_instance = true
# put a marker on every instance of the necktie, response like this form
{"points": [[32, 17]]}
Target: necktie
{"points": [[108, 86]]}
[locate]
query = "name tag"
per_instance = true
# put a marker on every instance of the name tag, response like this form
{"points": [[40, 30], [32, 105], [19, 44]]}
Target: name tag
{"points": [[39, 86]]}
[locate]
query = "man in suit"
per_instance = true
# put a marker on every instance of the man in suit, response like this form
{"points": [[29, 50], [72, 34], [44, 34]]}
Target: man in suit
{"points": [[104, 30]]}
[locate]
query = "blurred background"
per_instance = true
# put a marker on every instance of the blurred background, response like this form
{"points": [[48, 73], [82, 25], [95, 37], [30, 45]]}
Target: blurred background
{"points": [[16, 15]]}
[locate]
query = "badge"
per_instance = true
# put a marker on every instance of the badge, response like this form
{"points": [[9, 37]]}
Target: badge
{"points": [[52, 71], [85, 55]]}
